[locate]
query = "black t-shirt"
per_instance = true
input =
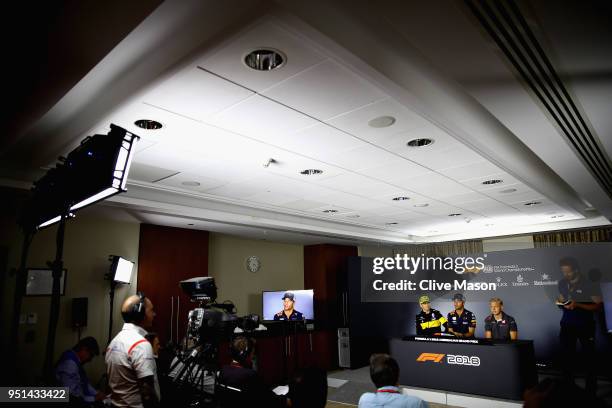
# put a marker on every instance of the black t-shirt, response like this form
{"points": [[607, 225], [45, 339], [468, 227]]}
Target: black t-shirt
{"points": [[500, 329], [295, 315], [581, 291], [461, 323]]}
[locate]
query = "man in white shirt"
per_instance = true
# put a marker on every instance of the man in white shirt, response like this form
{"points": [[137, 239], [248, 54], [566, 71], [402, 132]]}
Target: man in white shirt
{"points": [[384, 373], [130, 364]]}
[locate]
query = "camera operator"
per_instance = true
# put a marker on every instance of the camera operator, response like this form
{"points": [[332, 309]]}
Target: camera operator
{"points": [[240, 385], [130, 364]]}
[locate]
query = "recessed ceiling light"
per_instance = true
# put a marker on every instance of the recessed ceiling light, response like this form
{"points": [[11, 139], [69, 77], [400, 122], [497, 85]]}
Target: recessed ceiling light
{"points": [[382, 122], [421, 142], [311, 172], [264, 59], [401, 198], [391, 223], [508, 191], [454, 214], [191, 225], [421, 205], [330, 211], [191, 183], [493, 181], [531, 203], [558, 216], [148, 124]]}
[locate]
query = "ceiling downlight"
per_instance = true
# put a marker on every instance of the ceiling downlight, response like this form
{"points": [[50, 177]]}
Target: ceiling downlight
{"points": [[311, 172], [265, 59], [148, 124], [420, 142]]}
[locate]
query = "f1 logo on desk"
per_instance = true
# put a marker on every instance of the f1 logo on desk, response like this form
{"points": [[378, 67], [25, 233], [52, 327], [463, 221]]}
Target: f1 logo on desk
{"points": [[436, 358], [450, 359]]}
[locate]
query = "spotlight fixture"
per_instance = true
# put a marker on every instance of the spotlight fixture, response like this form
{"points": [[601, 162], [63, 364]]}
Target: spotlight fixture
{"points": [[311, 172], [191, 183], [454, 214], [264, 59], [508, 191], [493, 181], [401, 198], [423, 205], [532, 203], [330, 211], [420, 142], [148, 124], [381, 122], [97, 169]]}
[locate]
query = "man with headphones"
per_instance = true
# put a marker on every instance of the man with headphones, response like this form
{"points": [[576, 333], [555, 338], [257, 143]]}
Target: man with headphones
{"points": [[130, 364], [239, 380]]}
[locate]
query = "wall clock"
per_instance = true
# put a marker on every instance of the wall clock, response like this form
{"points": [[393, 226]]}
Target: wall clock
{"points": [[253, 264]]}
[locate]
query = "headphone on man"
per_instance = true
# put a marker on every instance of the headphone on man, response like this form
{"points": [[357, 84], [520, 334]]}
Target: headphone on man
{"points": [[239, 355], [136, 313]]}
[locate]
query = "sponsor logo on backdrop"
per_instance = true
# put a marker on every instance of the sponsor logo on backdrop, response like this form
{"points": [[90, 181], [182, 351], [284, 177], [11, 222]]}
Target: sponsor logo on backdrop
{"points": [[436, 358], [454, 359], [500, 282], [519, 281], [545, 281]]}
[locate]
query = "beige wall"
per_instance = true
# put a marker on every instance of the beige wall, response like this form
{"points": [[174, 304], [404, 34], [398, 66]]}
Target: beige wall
{"points": [[88, 242], [282, 267]]}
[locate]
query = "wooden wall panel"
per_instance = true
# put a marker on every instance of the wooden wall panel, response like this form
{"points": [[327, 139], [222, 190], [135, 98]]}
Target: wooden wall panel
{"points": [[166, 256]]}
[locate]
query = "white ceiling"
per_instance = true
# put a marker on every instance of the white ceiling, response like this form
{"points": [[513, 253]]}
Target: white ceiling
{"points": [[222, 121]]}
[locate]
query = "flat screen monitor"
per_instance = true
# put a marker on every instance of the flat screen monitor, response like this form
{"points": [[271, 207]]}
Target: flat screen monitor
{"points": [[273, 303]]}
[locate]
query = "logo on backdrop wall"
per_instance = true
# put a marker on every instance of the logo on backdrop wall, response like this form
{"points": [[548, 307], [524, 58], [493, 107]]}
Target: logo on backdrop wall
{"points": [[545, 281], [500, 282], [453, 359], [519, 281]]}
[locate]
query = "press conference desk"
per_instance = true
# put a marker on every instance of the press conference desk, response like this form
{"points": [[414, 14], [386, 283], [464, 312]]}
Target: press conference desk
{"points": [[478, 366]]}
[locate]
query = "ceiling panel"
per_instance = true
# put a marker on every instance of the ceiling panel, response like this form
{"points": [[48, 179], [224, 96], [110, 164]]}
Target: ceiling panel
{"points": [[395, 169], [144, 172], [190, 181], [470, 171], [360, 158], [196, 94], [325, 91], [228, 60], [356, 121], [320, 141], [433, 185], [357, 184], [262, 119]]}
